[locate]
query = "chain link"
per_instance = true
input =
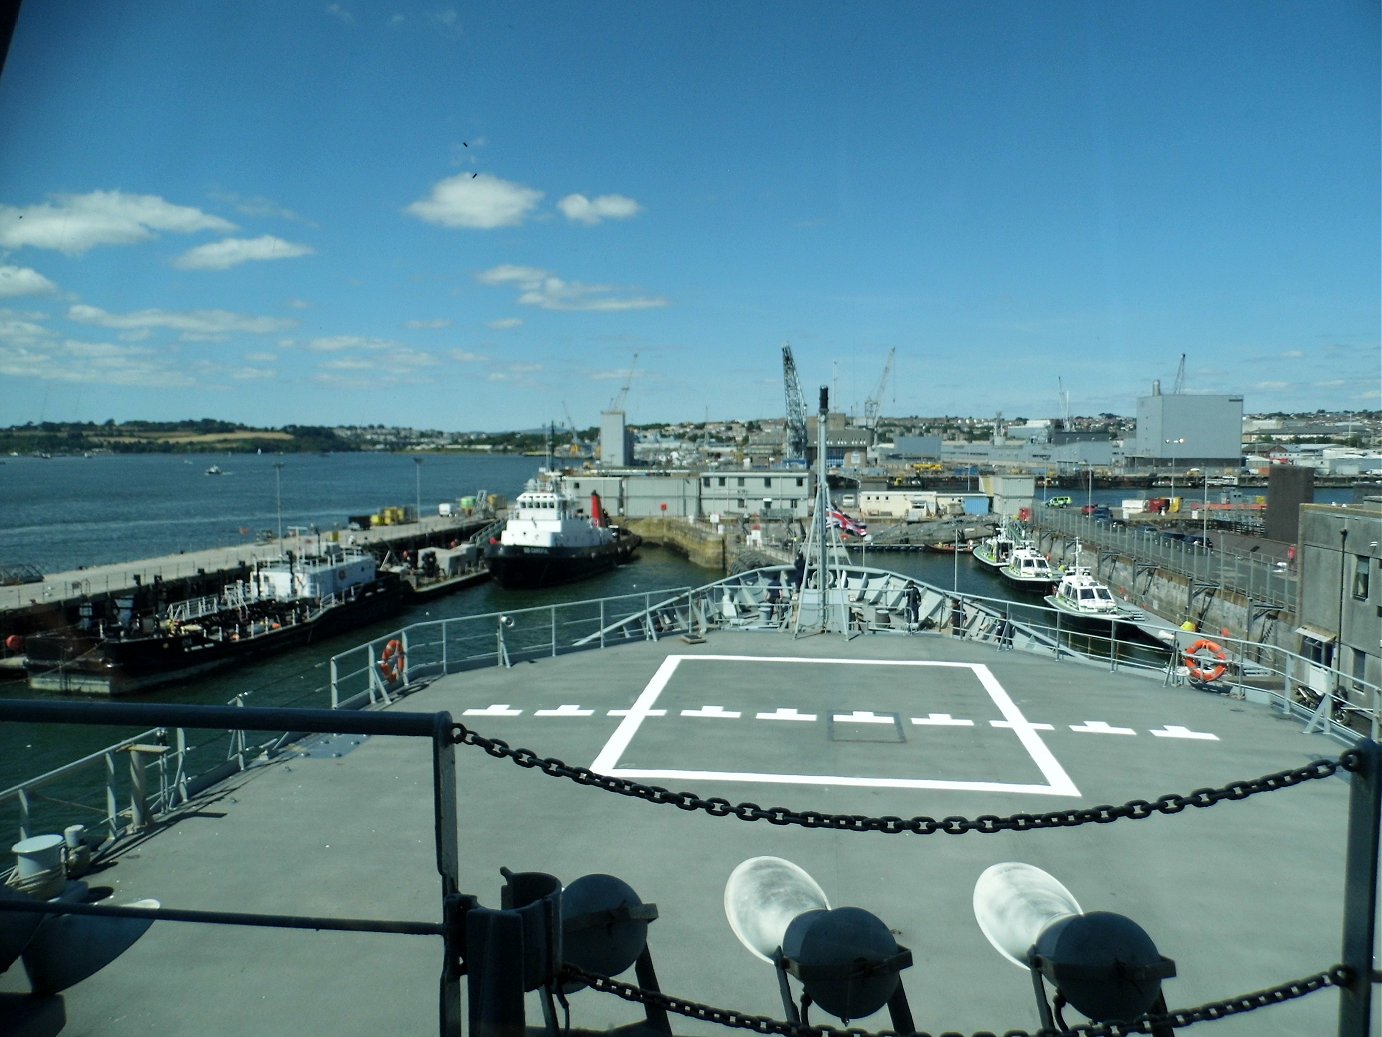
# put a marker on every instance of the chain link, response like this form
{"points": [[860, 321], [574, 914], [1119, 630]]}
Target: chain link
{"points": [[1336, 976], [988, 824]]}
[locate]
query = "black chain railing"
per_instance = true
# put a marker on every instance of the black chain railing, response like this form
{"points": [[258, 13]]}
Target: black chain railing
{"points": [[1136, 810], [1335, 976]]}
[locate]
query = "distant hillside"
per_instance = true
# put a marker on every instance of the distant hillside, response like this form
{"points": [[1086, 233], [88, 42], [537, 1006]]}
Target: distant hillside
{"points": [[154, 437]]}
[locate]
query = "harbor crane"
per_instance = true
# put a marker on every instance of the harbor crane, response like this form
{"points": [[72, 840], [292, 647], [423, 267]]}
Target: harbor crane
{"points": [[617, 404], [794, 442], [1180, 377], [875, 402]]}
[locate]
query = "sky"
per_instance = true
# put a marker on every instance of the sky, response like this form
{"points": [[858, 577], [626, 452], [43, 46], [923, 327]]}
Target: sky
{"points": [[490, 216]]}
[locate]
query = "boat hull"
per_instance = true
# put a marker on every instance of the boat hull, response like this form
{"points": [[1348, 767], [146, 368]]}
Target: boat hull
{"points": [[529, 567], [83, 663]]}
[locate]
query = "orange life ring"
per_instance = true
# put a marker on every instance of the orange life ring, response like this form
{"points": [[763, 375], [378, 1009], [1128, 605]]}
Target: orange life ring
{"points": [[393, 662], [1194, 664]]}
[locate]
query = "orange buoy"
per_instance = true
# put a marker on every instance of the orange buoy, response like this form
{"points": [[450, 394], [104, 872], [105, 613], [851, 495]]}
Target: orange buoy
{"points": [[1206, 668]]}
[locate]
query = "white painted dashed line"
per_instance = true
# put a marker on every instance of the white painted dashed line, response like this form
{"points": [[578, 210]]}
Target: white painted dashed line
{"points": [[567, 710], [499, 710], [1099, 727], [629, 712], [941, 720], [1024, 725], [787, 713], [1176, 731], [713, 712], [864, 716]]}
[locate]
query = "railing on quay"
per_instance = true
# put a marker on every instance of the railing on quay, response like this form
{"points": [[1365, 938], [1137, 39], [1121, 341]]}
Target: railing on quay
{"points": [[1265, 580]]}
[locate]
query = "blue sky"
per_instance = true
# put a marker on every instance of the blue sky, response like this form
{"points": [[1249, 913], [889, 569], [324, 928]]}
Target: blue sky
{"points": [[476, 216]]}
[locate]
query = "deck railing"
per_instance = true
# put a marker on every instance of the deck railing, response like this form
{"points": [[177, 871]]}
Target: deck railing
{"points": [[99, 792]]}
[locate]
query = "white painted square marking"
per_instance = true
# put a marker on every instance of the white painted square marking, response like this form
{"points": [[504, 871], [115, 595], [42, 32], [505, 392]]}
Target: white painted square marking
{"points": [[1176, 731], [1058, 783], [501, 710], [1100, 727]]}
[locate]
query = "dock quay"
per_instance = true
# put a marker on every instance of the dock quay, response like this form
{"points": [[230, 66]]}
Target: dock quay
{"points": [[54, 601]]}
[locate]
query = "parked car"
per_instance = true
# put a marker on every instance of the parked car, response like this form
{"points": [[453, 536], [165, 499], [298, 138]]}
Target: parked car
{"points": [[1058, 502], [1199, 540]]}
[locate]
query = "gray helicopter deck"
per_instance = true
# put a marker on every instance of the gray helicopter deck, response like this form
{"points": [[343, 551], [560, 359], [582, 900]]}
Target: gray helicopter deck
{"points": [[1242, 895]]}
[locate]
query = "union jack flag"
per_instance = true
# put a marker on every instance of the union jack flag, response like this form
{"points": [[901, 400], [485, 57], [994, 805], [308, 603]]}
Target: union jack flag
{"points": [[847, 525]]}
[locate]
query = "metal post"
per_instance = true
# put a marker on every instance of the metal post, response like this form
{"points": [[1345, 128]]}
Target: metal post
{"points": [[1360, 890], [278, 491]]}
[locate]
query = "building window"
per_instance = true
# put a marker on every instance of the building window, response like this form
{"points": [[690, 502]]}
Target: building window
{"points": [[800, 481], [1360, 577], [767, 481], [722, 480], [1321, 653], [1360, 669], [741, 503], [741, 482], [706, 482]]}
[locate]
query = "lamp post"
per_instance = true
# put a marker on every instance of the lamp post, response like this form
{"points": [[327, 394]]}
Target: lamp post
{"points": [[278, 494], [1173, 443], [417, 461]]}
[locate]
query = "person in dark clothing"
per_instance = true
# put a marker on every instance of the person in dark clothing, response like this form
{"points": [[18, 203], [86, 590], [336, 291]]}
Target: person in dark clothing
{"points": [[912, 597], [957, 618], [799, 570]]}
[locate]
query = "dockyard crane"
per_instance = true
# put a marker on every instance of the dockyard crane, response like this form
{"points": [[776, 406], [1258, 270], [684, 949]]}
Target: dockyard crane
{"points": [[795, 440], [875, 402], [617, 404], [1180, 377]]}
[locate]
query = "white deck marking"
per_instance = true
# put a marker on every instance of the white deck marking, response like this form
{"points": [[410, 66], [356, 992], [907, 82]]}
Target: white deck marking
{"points": [[1100, 727], [941, 720], [715, 712], [501, 710], [1009, 724], [564, 711], [863, 716], [627, 712], [1058, 782], [787, 713], [1176, 731]]}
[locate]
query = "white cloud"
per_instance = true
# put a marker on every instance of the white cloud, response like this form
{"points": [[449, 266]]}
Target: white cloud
{"points": [[505, 324], [339, 12], [546, 291], [20, 280], [195, 324], [72, 224], [344, 343], [477, 202], [466, 357], [222, 255], [92, 363], [253, 374], [591, 211], [427, 325]]}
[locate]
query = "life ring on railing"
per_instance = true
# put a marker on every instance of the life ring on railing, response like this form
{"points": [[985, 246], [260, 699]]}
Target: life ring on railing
{"points": [[393, 662], [1195, 664]]}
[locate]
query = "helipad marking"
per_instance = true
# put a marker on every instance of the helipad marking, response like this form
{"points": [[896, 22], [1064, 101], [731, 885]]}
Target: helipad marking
{"points": [[1035, 727], [499, 710], [1176, 731], [628, 712], [786, 713], [942, 720], [864, 716], [564, 711], [714, 712], [1058, 782], [1100, 727]]}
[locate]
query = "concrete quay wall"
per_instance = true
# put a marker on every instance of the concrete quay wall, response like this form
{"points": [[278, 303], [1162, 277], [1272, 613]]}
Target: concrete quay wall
{"points": [[1177, 597]]}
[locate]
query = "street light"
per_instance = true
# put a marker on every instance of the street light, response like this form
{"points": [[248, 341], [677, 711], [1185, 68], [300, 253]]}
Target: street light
{"points": [[278, 492], [1173, 442]]}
